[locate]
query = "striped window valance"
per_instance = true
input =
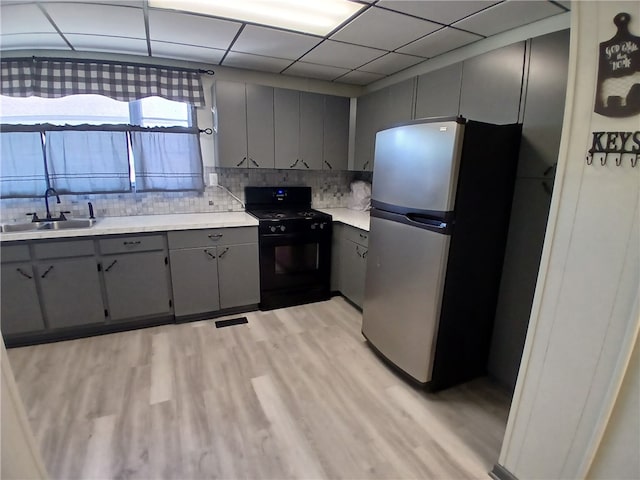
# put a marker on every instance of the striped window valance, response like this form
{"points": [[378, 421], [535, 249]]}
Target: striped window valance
{"points": [[52, 78]]}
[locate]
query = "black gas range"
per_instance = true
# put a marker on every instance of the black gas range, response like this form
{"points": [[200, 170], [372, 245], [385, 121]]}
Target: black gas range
{"points": [[295, 246]]}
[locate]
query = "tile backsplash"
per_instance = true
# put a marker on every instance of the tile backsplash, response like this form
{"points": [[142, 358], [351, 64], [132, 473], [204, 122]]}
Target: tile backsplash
{"points": [[330, 189]]}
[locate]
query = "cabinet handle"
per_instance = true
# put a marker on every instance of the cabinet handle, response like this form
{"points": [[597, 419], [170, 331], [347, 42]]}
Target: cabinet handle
{"points": [[215, 236], [358, 251], [137, 242], [210, 254], [244, 159], [255, 164], [223, 253], [46, 272], [305, 164], [364, 167], [328, 165], [23, 273], [295, 163], [111, 265], [364, 255], [362, 236]]}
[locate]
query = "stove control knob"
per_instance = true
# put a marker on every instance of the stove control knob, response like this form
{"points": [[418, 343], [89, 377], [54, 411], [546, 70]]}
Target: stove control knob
{"points": [[322, 225], [314, 225], [282, 228], [273, 229]]}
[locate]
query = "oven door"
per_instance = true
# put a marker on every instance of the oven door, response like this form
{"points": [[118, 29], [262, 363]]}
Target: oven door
{"points": [[295, 261]]}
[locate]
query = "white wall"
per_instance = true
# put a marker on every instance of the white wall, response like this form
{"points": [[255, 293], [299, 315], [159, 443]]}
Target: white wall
{"points": [[585, 312]]}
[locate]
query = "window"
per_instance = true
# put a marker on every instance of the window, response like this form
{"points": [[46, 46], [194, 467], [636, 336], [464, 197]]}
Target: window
{"points": [[90, 143]]}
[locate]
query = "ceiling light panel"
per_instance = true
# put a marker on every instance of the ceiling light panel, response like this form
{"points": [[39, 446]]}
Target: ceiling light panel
{"points": [[318, 18]]}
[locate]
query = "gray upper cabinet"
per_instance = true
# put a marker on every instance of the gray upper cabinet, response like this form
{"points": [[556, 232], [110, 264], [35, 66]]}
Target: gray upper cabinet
{"points": [[20, 306], [438, 92], [298, 129], [335, 142], [544, 105], [491, 85], [379, 110], [311, 130], [287, 128], [71, 292], [244, 118]]}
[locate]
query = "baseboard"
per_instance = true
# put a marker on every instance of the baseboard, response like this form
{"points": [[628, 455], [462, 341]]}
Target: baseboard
{"points": [[501, 473]]}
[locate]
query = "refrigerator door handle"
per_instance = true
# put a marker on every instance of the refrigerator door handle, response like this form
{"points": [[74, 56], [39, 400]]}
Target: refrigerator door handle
{"points": [[434, 223]]}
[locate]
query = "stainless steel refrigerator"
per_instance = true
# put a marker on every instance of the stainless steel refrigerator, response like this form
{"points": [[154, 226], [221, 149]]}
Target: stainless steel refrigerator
{"points": [[441, 200]]}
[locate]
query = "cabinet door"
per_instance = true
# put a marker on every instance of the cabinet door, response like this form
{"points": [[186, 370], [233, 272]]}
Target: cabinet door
{"points": [[354, 262], [194, 278], [336, 133], [137, 285], [231, 111], [238, 275], [71, 293], [286, 104], [365, 136], [311, 130], [491, 85], [336, 257], [438, 92], [20, 307], [398, 106], [260, 130]]}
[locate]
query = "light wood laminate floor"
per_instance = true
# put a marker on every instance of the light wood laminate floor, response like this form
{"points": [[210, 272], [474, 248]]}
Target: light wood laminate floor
{"points": [[295, 393]]}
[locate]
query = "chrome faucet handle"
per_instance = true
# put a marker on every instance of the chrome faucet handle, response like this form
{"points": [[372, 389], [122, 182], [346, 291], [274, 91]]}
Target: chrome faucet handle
{"points": [[33, 215], [62, 217]]}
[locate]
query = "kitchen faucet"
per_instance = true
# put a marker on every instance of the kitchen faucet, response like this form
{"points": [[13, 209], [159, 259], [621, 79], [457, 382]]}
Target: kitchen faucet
{"points": [[50, 191]]}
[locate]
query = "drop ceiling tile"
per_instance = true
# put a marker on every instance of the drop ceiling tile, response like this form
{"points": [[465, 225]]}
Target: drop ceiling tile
{"points": [[383, 29], [357, 77], [23, 19], [97, 19], [343, 55], [209, 32], [255, 62], [566, 4], [443, 11], [311, 70], [186, 52], [391, 63], [439, 42], [21, 41], [274, 43], [102, 43], [507, 15]]}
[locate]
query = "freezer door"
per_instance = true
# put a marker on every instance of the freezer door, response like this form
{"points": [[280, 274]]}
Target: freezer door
{"points": [[403, 291], [416, 166]]}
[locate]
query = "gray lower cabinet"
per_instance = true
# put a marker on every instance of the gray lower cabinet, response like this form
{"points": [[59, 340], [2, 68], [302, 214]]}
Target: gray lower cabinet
{"points": [[213, 269], [349, 262], [20, 306], [137, 285], [70, 291], [194, 278], [238, 275]]}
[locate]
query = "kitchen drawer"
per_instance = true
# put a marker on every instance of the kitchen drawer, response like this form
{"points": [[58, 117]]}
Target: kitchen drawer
{"points": [[212, 236], [132, 244], [356, 235], [14, 253], [74, 248]]}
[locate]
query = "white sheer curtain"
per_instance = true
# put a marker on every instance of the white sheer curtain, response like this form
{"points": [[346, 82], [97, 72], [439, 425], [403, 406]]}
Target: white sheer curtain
{"points": [[167, 161], [88, 161], [22, 172]]}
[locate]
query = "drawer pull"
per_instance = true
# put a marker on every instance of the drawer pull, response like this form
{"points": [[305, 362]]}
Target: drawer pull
{"points": [[223, 253], [210, 254], [46, 272], [363, 236], [111, 265], [137, 242], [215, 236], [23, 273]]}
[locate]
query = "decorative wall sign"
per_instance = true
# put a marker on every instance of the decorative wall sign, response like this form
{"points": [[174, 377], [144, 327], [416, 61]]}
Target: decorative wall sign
{"points": [[618, 90], [618, 145]]}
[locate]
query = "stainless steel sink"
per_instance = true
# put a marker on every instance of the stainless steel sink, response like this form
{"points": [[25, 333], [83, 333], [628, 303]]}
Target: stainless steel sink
{"points": [[49, 225], [69, 223]]}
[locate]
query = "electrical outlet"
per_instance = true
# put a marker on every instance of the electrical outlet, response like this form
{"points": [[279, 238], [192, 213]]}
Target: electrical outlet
{"points": [[213, 179]]}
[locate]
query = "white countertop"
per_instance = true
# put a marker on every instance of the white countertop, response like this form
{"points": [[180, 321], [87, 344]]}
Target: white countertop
{"points": [[142, 223], [355, 218]]}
